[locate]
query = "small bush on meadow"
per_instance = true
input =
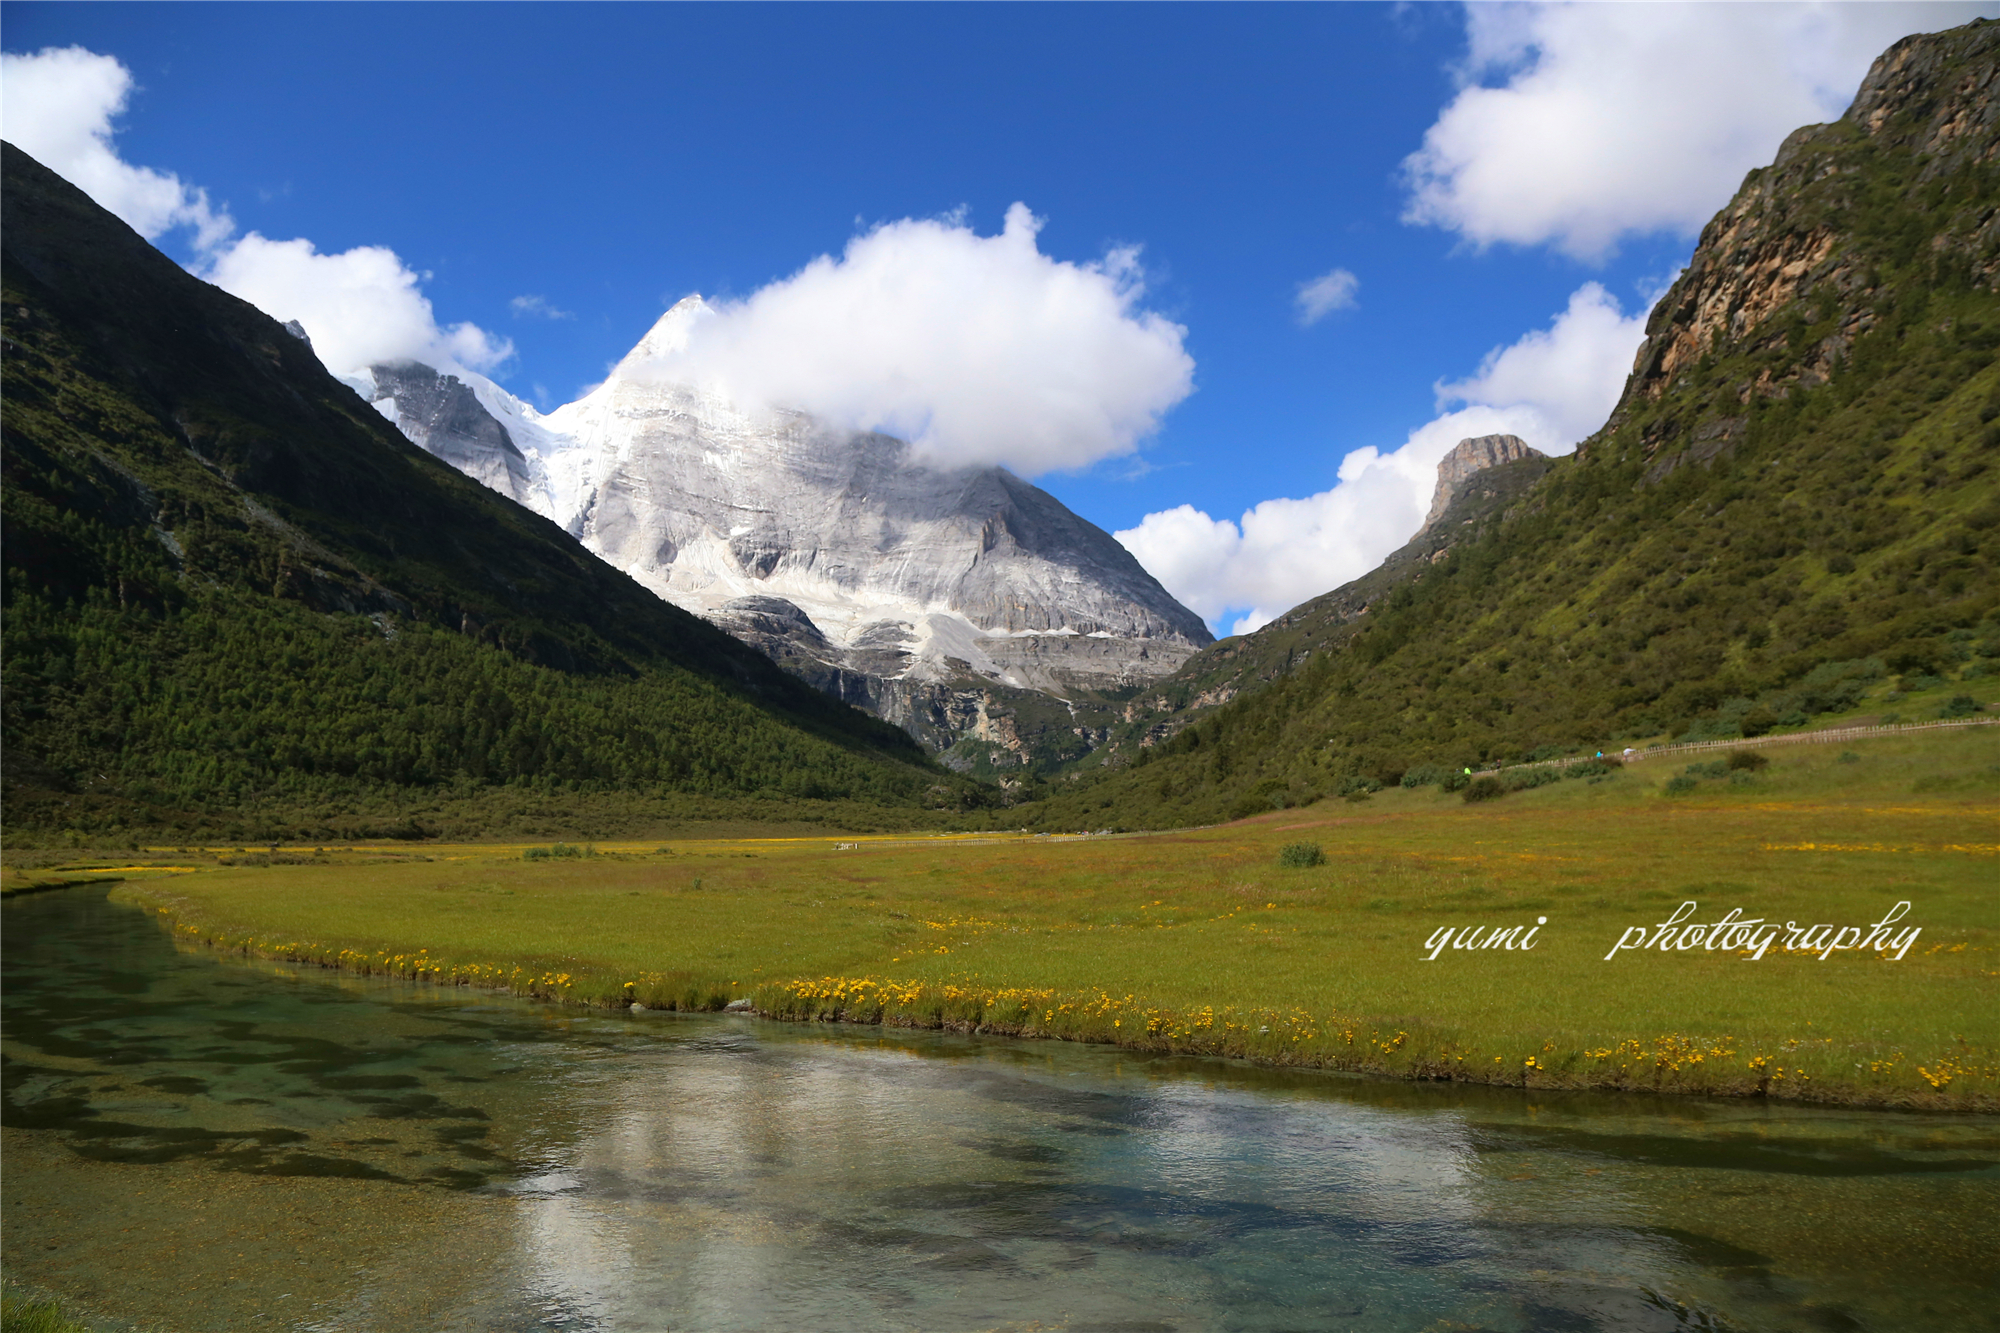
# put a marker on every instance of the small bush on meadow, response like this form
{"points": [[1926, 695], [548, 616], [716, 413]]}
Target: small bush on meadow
{"points": [[1961, 705], [1456, 781], [1680, 786], [1746, 761], [1301, 855], [559, 851], [1484, 789]]}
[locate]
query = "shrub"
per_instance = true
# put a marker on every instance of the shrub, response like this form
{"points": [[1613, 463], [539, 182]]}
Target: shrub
{"points": [[1961, 705], [560, 851], [1758, 721], [1680, 786], [1425, 775], [1714, 768], [1455, 781], [1484, 789], [1747, 761], [1301, 855], [1849, 757]]}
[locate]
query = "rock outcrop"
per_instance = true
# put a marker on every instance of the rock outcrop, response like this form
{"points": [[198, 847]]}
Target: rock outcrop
{"points": [[1476, 494], [442, 413], [1470, 456], [1814, 232]]}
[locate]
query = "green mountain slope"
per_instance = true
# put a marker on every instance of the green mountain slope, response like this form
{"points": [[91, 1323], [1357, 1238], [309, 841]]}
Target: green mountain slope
{"points": [[236, 597], [1241, 666], [1795, 498]]}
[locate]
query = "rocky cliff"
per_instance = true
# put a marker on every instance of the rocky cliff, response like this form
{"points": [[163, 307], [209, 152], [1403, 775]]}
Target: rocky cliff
{"points": [[442, 414], [1466, 458], [1821, 246]]}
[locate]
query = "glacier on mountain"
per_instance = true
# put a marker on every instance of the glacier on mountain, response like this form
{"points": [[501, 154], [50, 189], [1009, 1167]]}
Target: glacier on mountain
{"points": [[833, 551]]}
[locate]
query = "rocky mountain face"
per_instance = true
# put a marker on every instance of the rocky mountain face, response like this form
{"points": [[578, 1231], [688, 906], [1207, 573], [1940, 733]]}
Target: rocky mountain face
{"points": [[442, 414], [941, 601], [1466, 458], [1824, 229]]}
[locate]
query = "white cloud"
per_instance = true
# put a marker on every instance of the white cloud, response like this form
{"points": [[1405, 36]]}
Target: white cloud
{"points": [[1552, 388], [1568, 375], [1330, 291], [978, 349], [360, 306], [538, 306], [57, 106], [1580, 124]]}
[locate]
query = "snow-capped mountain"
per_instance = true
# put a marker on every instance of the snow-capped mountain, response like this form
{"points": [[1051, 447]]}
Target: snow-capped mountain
{"points": [[832, 550]]}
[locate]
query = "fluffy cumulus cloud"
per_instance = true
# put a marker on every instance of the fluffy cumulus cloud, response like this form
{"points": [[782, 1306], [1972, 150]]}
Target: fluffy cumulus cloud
{"points": [[360, 306], [977, 349], [1330, 291], [1579, 124], [1552, 388], [57, 106]]}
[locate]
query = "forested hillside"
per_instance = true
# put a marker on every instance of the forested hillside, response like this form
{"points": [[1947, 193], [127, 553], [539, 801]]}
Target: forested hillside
{"points": [[238, 601], [1794, 502]]}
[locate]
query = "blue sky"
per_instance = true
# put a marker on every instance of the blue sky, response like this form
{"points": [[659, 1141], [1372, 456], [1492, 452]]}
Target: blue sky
{"points": [[609, 160]]}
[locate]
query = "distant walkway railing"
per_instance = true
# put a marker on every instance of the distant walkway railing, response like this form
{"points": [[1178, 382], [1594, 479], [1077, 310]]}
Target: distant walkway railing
{"points": [[1822, 737]]}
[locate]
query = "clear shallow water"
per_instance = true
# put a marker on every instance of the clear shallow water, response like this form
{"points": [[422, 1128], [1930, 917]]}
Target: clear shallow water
{"points": [[218, 1144]]}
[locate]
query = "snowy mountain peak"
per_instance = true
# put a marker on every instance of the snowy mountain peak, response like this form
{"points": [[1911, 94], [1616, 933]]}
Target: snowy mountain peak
{"points": [[668, 335], [830, 549]]}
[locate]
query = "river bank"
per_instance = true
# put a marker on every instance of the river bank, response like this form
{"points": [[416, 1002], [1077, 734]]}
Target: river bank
{"points": [[1510, 942], [1202, 942]]}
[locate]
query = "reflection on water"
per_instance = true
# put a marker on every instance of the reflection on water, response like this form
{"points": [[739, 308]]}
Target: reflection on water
{"points": [[227, 1145]]}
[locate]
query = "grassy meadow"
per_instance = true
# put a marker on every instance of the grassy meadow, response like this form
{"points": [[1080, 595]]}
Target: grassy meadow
{"points": [[1203, 941]]}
